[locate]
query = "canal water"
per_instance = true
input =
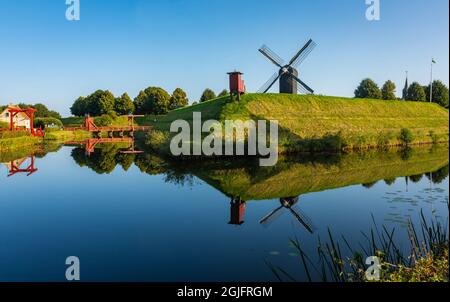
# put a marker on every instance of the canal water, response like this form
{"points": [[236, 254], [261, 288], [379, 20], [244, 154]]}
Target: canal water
{"points": [[139, 217]]}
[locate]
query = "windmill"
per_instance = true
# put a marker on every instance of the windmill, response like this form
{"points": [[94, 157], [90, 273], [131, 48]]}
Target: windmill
{"points": [[288, 74], [288, 203]]}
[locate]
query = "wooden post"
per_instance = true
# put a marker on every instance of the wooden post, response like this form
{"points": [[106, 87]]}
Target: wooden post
{"points": [[11, 123]]}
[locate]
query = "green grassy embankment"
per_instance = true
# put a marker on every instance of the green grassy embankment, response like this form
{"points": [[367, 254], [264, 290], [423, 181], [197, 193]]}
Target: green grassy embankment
{"points": [[16, 140], [64, 136], [309, 123]]}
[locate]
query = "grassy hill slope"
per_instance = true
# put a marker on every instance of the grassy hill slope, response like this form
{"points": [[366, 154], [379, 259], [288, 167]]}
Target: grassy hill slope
{"points": [[309, 122]]}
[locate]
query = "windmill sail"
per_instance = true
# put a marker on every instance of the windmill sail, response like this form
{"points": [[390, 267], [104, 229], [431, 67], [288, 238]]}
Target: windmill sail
{"points": [[272, 56], [303, 87], [302, 54], [288, 74], [266, 87]]}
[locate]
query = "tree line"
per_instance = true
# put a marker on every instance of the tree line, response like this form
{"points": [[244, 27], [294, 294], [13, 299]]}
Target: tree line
{"points": [[414, 92], [41, 110], [152, 100]]}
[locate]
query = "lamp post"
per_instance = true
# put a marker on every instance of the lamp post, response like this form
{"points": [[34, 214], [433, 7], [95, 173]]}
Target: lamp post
{"points": [[431, 80]]}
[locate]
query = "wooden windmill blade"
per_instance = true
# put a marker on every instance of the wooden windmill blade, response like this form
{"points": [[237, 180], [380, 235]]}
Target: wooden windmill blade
{"points": [[302, 53], [266, 87], [271, 217], [303, 88], [272, 56], [304, 220]]}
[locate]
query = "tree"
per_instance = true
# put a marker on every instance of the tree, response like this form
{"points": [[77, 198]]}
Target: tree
{"points": [[223, 93], [368, 89], [207, 95], [41, 111], [179, 99], [440, 93], [153, 100], [406, 136], [123, 105], [54, 114], [79, 107], [388, 91], [416, 93], [100, 102]]}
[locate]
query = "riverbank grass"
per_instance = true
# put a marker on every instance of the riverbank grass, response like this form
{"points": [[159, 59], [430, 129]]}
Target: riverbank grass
{"points": [[64, 136], [338, 261], [13, 140]]}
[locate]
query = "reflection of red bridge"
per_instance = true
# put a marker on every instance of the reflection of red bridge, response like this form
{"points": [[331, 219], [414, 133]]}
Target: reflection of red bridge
{"points": [[14, 167], [91, 143], [89, 125]]}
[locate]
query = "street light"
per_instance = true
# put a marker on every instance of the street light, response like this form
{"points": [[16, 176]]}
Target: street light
{"points": [[431, 82]]}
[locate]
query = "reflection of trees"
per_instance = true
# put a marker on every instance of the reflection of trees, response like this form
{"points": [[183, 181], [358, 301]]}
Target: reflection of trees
{"points": [[439, 175], [416, 178], [104, 160], [406, 153], [150, 164], [179, 178], [125, 160], [369, 185], [389, 181]]}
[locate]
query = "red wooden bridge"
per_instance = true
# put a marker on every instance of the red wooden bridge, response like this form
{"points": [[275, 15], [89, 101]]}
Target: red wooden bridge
{"points": [[89, 125]]}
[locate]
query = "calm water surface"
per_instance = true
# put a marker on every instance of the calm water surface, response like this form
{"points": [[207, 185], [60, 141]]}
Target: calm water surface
{"points": [[142, 218]]}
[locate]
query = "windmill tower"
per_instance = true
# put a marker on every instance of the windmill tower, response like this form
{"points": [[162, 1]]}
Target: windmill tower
{"points": [[288, 74]]}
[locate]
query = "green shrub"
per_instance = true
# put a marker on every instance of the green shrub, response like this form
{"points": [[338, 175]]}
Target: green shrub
{"points": [[384, 139], [156, 139], [113, 114], [434, 137], [103, 121], [406, 136], [47, 122], [333, 142]]}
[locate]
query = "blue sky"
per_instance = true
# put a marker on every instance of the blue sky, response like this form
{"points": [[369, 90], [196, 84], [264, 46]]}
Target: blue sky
{"points": [[125, 46]]}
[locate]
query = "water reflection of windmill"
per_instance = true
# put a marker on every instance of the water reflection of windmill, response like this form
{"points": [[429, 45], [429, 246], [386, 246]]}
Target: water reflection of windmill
{"points": [[288, 74], [288, 204]]}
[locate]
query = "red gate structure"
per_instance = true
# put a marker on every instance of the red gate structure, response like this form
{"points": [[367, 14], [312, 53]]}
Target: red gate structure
{"points": [[13, 112]]}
